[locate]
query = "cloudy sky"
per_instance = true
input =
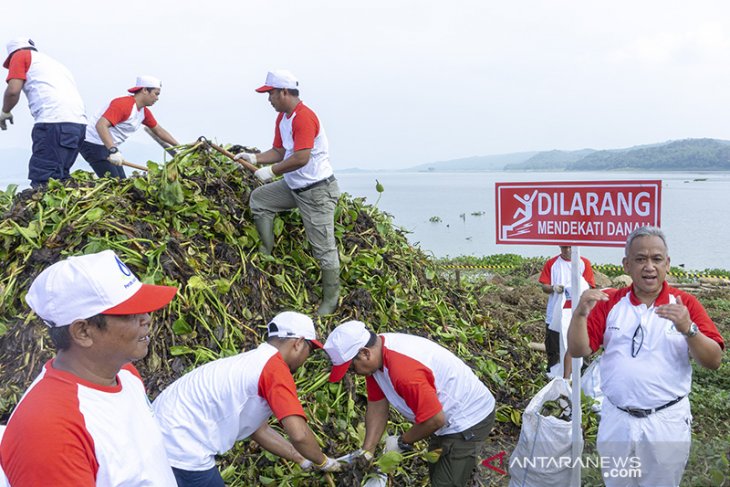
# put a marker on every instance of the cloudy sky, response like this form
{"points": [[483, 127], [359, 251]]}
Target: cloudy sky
{"points": [[401, 82]]}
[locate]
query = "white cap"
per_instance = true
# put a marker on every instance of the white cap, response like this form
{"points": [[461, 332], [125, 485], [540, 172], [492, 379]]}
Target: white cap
{"points": [[87, 285], [343, 344], [290, 324], [279, 78], [15, 44], [145, 81]]}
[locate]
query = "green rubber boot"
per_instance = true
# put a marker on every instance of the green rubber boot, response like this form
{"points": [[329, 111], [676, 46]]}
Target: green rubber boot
{"points": [[265, 227], [330, 291]]}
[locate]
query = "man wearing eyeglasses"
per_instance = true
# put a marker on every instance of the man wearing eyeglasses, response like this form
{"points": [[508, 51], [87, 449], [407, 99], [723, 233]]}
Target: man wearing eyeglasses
{"points": [[206, 411], [648, 331]]}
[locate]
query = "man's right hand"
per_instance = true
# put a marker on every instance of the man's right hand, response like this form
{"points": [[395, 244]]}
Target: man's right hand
{"points": [[558, 289], [330, 465], [246, 156], [4, 118], [588, 301], [117, 158]]}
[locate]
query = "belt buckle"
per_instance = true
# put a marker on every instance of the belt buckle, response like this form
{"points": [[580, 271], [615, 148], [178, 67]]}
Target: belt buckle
{"points": [[637, 413]]}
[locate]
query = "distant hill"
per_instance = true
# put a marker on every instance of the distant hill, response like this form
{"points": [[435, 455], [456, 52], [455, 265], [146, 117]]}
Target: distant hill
{"points": [[676, 155], [477, 163], [550, 160], [680, 155]]}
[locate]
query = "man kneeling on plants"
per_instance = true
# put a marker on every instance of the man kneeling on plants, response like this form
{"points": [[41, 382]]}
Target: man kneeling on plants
{"points": [[428, 385], [206, 411]]}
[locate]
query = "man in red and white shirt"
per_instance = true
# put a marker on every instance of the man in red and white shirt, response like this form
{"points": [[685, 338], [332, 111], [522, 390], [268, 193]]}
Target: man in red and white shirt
{"points": [[55, 104], [554, 279], [204, 413], [117, 122], [85, 420], [301, 154], [649, 331], [428, 385]]}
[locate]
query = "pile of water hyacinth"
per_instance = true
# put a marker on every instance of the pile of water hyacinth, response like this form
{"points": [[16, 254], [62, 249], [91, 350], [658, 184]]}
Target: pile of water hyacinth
{"points": [[187, 223]]}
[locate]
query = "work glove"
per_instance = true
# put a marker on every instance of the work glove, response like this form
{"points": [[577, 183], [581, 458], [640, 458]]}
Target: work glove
{"points": [[393, 443], [265, 174], [330, 465], [378, 480], [306, 464], [117, 158], [350, 457], [3, 117], [557, 288], [246, 157]]}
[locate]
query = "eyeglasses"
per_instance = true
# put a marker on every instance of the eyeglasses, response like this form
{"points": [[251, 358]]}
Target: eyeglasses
{"points": [[637, 341]]}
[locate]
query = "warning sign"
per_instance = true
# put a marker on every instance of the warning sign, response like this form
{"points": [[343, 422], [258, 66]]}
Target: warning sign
{"points": [[599, 213]]}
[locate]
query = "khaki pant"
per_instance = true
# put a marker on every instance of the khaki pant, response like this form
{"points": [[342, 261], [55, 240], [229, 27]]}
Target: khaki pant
{"points": [[317, 207], [459, 454]]}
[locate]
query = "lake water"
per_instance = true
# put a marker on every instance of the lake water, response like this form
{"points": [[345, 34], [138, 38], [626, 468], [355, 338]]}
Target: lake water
{"points": [[694, 212]]}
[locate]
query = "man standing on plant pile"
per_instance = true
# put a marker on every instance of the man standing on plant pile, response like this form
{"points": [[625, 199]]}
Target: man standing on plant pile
{"points": [[206, 411], [428, 385], [554, 278], [301, 154], [649, 331], [117, 122], [86, 420], [55, 104]]}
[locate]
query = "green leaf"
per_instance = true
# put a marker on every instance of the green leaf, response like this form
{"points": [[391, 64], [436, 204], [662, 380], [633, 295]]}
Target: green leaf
{"points": [[176, 350], [181, 327], [389, 461]]}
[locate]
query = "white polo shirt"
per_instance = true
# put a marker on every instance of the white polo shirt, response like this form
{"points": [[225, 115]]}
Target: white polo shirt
{"points": [[661, 370], [420, 378], [303, 131], [125, 119], [559, 271]]}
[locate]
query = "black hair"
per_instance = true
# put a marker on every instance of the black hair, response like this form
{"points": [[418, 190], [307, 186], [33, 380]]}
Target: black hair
{"points": [[61, 335], [372, 340]]}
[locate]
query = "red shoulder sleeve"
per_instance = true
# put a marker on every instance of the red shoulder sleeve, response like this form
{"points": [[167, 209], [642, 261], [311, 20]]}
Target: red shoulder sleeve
{"points": [[375, 393], [277, 134], [305, 128], [43, 446], [119, 109], [19, 65], [277, 386], [588, 272], [415, 383], [546, 269], [149, 119]]}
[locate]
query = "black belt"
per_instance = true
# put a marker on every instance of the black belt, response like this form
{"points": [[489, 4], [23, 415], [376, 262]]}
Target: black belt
{"points": [[314, 185], [643, 413]]}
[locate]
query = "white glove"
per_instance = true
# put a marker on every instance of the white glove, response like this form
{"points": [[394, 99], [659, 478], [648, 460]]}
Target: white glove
{"points": [[117, 158], [557, 288], [3, 117], [350, 457], [394, 443], [246, 157], [330, 465], [379, 480], [265, 174], [306, 465]]}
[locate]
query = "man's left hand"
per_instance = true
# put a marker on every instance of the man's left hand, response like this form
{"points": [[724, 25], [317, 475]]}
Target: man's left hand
{"points": [[676, 313], [4, 118], [265, 174]]}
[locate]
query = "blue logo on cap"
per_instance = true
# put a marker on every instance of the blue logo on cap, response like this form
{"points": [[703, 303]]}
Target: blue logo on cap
{"points": [[122, 267]]}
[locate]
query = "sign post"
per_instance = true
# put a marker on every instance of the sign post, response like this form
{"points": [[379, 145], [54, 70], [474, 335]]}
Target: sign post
{"points": [[593, 213]]}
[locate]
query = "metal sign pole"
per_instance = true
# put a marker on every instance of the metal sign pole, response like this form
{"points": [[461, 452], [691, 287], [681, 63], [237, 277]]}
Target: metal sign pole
{"points": [[577, 363]]}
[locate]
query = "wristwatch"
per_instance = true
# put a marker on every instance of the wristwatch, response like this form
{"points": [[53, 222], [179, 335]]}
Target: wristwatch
{"points": [[693, 330], [113, 150]]}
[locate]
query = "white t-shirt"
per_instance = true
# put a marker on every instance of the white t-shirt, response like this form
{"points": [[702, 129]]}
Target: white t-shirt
{"points": [[125, 119]]}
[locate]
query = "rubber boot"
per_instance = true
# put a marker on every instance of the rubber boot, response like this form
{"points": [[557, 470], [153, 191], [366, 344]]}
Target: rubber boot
{"points": [[265, 227], [330, 291]]}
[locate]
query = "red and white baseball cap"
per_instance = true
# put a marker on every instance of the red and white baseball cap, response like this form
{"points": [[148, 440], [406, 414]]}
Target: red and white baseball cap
{"points": [[145, 81], [15, 44], [290, 324], [279, 78], [84, 286], [343, 344]]}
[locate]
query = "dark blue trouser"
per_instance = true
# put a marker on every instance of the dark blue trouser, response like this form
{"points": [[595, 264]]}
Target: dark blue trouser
{"points": [[204, 478], [55, 148], [98, 158]]}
